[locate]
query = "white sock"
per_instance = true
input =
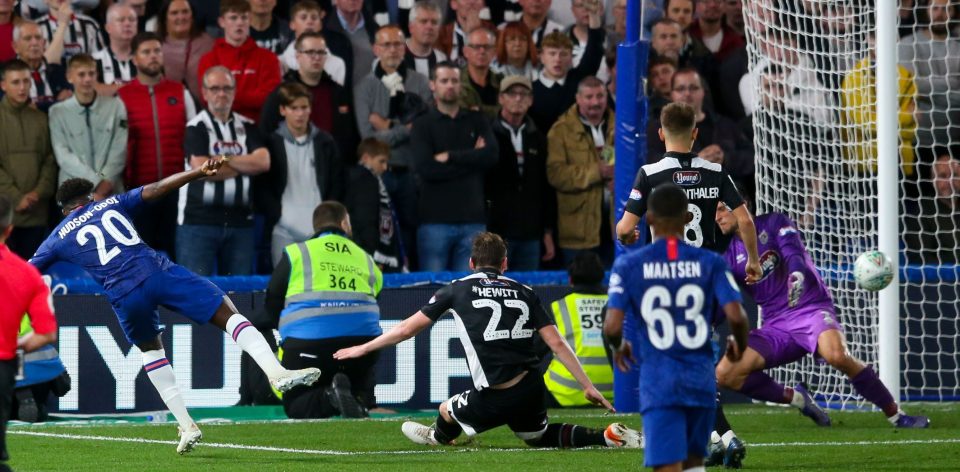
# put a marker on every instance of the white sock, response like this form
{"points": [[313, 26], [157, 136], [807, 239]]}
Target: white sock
{"points": [[798, 400], [893, 419], [727, 437], [714, 437], [696, 469], [161, 375], [252, 342]]}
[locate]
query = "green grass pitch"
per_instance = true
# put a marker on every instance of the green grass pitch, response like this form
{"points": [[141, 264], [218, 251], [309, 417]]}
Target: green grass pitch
{"points": [[777, 439]]}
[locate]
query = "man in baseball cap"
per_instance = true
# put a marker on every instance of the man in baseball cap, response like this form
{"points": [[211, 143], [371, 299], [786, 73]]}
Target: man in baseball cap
{"points": [[522, 203], [509, 81]]}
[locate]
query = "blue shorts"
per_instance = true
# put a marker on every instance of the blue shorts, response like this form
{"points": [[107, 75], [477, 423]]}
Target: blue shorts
{"points": [[673, 434], [175, 288]]}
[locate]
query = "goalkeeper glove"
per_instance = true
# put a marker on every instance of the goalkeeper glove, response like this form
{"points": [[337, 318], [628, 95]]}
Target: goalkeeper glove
{"points": [[794, 288]]}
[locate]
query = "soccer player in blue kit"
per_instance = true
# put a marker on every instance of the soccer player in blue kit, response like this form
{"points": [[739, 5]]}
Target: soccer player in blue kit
{"points": [[675, 288], [100, 237]]}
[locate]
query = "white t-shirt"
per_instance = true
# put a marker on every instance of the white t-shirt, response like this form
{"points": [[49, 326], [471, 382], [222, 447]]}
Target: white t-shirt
{"points": [[713, 42]]}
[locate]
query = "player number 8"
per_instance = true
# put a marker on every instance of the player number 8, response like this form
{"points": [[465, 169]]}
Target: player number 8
{"points": [[653, 308], [694, 226]]}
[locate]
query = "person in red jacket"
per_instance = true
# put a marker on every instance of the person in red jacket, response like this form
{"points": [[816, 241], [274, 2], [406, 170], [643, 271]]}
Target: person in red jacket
{"points": [[157, 112], [256, 70], [22, 291]]}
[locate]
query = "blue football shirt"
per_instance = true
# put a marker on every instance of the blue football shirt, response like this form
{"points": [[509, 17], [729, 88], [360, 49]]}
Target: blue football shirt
{"points": [[100, 237], [676, 289]]}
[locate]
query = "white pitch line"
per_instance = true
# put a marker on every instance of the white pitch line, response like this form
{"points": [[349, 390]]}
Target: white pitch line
{"points": [[322, 452], [319, 452], [857, 443]]}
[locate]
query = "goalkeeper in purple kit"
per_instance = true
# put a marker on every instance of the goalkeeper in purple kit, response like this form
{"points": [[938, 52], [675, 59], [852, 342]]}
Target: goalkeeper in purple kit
{"points": [[798, 318]]}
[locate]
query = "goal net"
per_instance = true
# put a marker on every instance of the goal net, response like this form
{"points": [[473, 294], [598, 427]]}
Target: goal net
{"points": [[810, 92]]}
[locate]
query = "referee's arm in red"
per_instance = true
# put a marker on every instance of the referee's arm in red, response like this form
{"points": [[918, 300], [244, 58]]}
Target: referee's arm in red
{"points": [[41, 318]]}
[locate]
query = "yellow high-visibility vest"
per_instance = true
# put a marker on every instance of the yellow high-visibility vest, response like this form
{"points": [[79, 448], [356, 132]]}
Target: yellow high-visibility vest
{"points": [[578, 318], [332, 290]]}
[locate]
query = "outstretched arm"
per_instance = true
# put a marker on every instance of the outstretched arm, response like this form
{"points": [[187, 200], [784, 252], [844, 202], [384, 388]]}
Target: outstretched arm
{"points": [[563, 353], [157, 190], [407, 329]]}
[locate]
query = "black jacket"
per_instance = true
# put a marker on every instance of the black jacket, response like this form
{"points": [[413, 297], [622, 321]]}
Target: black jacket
{"points": [[452, 192], [362, 200], [270, 185], [339, 41], [520, 206], [344, 130], [550, 103], [727, 98]]}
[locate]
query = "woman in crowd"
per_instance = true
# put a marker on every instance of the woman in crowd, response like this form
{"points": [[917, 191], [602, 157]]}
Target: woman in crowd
{"points": [[516, 52], [184, 43]]}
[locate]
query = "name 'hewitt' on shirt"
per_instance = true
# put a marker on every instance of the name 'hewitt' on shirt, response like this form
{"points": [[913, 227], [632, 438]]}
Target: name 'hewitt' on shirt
{"points": [[497, 292]]}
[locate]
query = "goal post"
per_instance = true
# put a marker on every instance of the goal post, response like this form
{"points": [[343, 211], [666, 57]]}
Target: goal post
{"points": [[888, 207], [854, 109], [855, 113], [630, 150]]}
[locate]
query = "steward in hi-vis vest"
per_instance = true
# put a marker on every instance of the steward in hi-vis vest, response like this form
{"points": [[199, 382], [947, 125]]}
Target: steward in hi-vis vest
{"points": [[322, 296], [579, 320]]}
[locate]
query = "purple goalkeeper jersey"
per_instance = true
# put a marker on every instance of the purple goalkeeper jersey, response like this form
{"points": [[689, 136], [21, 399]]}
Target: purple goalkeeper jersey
{"points": [[781, 253]]}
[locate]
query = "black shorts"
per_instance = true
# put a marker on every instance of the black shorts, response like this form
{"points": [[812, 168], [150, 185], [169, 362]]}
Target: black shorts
{"points": [[303, 353], [8, 373], [521, 407]]}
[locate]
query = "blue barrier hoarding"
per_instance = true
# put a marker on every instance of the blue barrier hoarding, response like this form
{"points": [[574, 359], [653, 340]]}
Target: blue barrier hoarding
{"points": [[108, 373]]}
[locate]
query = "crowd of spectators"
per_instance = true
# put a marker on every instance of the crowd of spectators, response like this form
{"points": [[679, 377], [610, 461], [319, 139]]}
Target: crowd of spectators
{"points": [[433, 121]]}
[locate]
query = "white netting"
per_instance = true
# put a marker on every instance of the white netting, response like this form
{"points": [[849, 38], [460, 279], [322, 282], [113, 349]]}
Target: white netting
{"points": [[810, 93]]}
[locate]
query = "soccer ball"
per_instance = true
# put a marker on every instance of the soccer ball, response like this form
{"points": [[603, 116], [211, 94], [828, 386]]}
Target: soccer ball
{"points": [[873, 271]]}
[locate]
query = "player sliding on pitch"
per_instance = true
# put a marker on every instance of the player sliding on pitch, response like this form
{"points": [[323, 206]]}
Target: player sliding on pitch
{"points": [[497, 317], [675, 289], [99, 237], [798, 318]]}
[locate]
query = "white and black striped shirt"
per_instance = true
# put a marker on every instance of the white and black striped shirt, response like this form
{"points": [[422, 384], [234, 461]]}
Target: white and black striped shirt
{"points": [[512, 11], [423, 64], [226, 202], [111, 70], [83, 34], [47, 81]]}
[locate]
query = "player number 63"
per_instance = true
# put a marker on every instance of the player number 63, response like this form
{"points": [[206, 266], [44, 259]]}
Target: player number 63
{"points": [[653, 308]]}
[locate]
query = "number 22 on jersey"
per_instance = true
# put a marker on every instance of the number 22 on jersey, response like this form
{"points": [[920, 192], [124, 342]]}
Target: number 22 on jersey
{"points": [[109, 221], [491, 333], [654, 309]]}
